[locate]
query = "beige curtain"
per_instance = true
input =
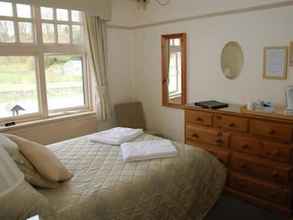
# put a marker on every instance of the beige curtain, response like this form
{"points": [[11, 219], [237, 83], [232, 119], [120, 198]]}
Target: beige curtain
{"points": [[96, 32]]}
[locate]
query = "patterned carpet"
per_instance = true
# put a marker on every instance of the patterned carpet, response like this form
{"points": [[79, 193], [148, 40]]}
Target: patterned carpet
{"points": [[230, 208]]}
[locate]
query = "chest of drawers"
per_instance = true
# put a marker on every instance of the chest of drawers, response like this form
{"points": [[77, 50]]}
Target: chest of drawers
{"points": [[257, 151]]}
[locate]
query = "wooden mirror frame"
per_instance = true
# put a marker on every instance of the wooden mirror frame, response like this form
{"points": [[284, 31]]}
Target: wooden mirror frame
{"points": [[165, 72]]}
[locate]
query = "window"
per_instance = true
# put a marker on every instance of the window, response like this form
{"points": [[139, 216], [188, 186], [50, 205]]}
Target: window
{"points": [[175, 68], [64, 81], [16, 24], [6, 9], [67, 24], [18, 87], [42, 62]]}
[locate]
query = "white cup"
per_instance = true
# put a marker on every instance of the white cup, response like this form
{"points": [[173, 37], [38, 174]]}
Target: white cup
{"points": [[251, 106]]}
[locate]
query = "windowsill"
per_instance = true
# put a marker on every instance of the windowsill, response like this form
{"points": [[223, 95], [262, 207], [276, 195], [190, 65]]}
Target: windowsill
{"points": [[47, 120]]}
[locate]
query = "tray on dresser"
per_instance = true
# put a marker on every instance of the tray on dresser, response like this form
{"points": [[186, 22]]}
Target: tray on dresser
{"points": [[278, 112]]}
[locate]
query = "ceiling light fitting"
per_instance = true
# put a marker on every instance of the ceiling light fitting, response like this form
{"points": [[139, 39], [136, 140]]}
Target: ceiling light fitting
{"points": [[144, 3]]}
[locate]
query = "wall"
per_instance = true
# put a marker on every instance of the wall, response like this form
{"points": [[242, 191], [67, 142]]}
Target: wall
{"points": [[126, 13], [206, 37], [120, 64]]}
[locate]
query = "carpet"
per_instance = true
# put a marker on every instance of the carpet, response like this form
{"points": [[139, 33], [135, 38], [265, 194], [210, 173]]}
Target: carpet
{"points": [[232, 208]]}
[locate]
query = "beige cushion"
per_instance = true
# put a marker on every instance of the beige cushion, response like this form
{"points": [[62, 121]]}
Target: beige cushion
{"points": [[18, 200], [44, 160], [31, 175]]}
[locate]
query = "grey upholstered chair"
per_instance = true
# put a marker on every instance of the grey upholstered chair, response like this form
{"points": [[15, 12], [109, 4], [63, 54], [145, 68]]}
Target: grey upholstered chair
{"points": [[131, 115]]}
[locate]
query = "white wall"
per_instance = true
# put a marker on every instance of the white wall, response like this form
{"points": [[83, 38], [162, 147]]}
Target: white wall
{"points": [[126, 12], [120, 52], [119, 55], [206, 38]]}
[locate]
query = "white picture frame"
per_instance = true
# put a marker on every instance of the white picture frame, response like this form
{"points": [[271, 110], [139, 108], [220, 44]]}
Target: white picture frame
{"points": [[275, 63]]}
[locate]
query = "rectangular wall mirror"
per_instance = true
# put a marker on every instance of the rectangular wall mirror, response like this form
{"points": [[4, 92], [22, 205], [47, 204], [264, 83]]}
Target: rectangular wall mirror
{"points": [[174, 70]]}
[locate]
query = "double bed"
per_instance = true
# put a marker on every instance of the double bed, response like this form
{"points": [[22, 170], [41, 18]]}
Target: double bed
{"points": [[105, 187]]}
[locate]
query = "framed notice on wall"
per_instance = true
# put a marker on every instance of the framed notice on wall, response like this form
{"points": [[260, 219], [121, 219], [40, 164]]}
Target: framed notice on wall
{"points": [[291, 54], [275, 63]]}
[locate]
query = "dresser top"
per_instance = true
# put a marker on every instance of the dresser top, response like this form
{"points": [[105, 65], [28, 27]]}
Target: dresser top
{"points": [[236, 109]]}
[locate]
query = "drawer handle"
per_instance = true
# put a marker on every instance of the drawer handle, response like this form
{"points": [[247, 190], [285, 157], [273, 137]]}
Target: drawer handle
{"points": [[276, 174], [199, 119], [276, 153], [261, 144], [232, 125], [220, 134], [219, 141], [272, 132], [195, 136], [245, 147]]}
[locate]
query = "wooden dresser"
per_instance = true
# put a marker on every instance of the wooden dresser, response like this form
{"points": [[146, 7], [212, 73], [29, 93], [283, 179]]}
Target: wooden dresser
{"points": [[256, 149]]}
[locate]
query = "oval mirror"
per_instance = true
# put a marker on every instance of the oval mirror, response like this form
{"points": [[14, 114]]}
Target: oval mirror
{"points": [[232, 60]]}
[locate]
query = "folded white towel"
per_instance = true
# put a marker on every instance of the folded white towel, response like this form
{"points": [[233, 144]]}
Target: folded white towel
{"points": [[146, 150], [116, 136]]}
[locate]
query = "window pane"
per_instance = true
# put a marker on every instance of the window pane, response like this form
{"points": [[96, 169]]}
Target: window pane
{"points": [[63, 34], [7, 34], [47, 13], [23, 11], [48, 33], [25, 32], [75, 16], [175, 73], [76, 34], [18, 85], [176, 42], [62, 14], [64, 76], [6, 9]]}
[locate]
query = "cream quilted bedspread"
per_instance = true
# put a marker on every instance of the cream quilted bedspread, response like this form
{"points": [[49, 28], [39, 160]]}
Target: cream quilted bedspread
{"points": [[106, 188]]}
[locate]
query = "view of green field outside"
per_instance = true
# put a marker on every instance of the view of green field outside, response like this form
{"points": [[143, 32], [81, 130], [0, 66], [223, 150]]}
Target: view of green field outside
{"points": [[18, 83]]}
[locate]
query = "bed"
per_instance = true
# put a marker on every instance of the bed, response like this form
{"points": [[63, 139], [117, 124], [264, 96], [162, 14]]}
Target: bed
{"points": [[106, 188]]}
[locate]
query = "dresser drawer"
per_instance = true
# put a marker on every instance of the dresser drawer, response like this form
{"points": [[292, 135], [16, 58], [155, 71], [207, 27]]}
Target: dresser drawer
{"points": [[270, 150], [281, 132], [222, 155], [199, 117], [207, 136], [231, 123], [259, 189], [269, 171]]}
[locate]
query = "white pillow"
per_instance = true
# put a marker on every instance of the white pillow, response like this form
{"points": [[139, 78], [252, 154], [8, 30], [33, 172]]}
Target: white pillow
{"points": [[8, 145]]}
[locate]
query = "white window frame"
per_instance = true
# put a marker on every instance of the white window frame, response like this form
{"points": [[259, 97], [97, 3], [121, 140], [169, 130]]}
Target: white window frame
{"points": [[39, 50], [15, 21]]}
